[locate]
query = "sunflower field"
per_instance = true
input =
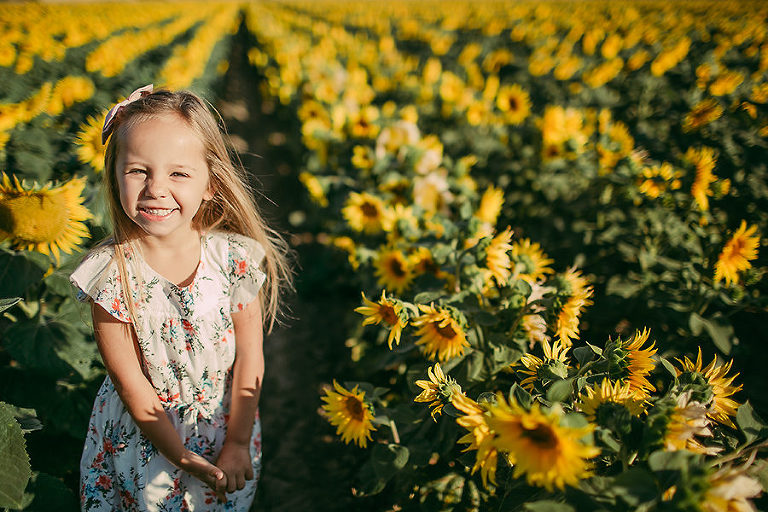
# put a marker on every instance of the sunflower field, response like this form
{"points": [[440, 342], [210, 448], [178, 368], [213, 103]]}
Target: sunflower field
{"points": [[549, 215]]}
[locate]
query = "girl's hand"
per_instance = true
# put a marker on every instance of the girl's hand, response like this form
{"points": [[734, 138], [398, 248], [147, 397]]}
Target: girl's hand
{"points": [[204, 471], [235, 461]]}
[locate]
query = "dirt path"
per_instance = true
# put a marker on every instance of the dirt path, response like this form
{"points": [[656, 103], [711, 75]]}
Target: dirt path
{"points": [[300, 470]]}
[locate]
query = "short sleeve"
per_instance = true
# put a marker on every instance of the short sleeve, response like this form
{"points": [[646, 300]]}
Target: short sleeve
{"points": [[245, 274], [97, 278]]}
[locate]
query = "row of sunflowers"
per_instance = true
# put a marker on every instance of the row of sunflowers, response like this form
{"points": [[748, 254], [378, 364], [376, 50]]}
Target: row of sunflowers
{"points": [[62, 67], [452, 147]]}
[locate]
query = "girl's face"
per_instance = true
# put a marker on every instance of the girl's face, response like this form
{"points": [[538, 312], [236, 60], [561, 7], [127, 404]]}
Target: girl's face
{"points": [[163, 176]]}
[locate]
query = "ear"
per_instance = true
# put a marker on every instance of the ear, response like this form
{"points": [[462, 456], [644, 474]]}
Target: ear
{"points": [[208, 194]]}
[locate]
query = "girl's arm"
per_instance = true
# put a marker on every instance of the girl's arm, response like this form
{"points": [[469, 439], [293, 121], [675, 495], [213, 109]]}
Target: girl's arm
{"points": [[120, 352], [235, 457]]}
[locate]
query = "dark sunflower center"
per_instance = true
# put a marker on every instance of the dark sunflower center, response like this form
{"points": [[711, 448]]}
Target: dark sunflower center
{"points": [[354, 408], [396, 267], [446, 332], [513, 104], [369, 210], [388, 314], [541, 435]]}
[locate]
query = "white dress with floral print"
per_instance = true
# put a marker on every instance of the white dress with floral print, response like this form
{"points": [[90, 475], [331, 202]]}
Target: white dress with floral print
{"points": [[187, 343]]}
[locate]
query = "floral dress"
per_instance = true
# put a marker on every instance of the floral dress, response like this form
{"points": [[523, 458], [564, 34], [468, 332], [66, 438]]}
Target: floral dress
{"points": [[187, 344]]}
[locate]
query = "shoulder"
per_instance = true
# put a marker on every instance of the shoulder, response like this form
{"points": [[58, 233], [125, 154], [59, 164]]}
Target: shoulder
{"points": [[96, 261], [229, 248]]}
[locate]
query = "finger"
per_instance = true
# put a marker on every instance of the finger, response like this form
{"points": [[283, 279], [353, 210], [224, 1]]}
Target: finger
{"points": [[240, 481], [231, 483], [249, 473], [221, 484]]}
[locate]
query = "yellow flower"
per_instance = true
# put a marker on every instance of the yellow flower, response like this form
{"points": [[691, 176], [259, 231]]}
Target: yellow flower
{"points": [[314, 188], [432, 192], [719, 384], [346, 244], [393, 270], [619, 393], [554, 365], [497, 260], [479, 438], [530, 262], [687, 420], [726, 83], [440, 334], [366, 212], [737, 254], [90, 149], [729, 490], [560, 125], [490, 205], [704, 160], [535, 328], [703, 113], [636, 363], [45, 219], [363, 122], [567, 325], [439, 389], [362, 157], [514, 102], [349, 413], [549, 453], [386, 310], [658, 178]]}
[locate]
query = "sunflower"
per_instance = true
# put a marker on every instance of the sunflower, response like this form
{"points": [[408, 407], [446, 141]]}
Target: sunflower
{"points": [[718, 384], [579, 293], [530, 262], [631, 363], [363, 123], [479, 438], [535, 328], [439, 389], [440, 334], [393, 270], [387, 310], [737, 254], [362, 157], [514, 102], [497, 260], [349, 413], [704, 160], [549, 453], [703, 113], [658, 178], [597, 397], [314, 187], [367, 213], [553, 366], [90, 149], [726, 83], [46, 219], [490, 205], [729, 491], [687, 420]]}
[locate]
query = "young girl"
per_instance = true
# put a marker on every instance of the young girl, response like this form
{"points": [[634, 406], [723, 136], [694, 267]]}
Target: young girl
{"points": [[178, 304]]}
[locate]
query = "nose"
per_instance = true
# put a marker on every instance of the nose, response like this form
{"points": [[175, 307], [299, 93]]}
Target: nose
{"points": [[156, 187]]}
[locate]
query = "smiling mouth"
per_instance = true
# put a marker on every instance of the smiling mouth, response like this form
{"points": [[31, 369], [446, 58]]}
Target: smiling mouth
{"points": [[156, 213]]}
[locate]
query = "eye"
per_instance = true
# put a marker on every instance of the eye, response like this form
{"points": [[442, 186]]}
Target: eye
{"points": [[180, 173], [136, 171]]}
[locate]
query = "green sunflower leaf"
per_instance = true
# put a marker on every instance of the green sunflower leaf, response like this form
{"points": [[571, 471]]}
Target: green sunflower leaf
{"points": [[750, 423], [15, 470], [548, 506], [8, 303]]}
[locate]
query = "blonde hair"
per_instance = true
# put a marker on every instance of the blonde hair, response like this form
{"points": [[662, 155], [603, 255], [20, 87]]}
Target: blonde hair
{"points": [[232, 208]]}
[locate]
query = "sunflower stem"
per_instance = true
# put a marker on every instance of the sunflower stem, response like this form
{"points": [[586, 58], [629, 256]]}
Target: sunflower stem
{"points": [[457, 284]]}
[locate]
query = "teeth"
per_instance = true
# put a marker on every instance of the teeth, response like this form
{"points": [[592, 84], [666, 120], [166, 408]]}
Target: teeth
{"points": [[158, 211]]}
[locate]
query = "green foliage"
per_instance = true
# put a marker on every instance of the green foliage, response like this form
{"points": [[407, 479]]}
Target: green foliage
{"points": [[15, 471]]}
